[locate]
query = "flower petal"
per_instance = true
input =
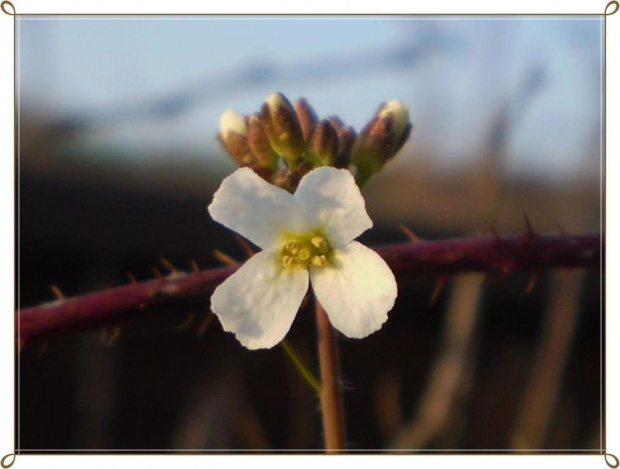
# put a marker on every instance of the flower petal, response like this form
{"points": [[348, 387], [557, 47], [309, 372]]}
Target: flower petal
{"points": [[357, 292], [259, 301], [334, 203], [256, 209]]}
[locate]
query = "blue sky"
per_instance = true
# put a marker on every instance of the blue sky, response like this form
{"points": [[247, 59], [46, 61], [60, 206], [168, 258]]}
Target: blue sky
{"points": [[461, 72]]}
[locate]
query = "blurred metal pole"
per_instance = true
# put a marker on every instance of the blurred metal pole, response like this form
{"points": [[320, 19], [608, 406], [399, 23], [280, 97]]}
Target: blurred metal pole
{"points": [[96, 377], [536, 410], [448, 370], [210, 417], [95, 371]]}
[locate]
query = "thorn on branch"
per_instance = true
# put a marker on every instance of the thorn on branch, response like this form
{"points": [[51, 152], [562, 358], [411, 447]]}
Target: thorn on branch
{"points": [[534, 278], [411, 236], [56, 292], [249, 251], [224, 258], [168, 265], [132, 278], [439, 286], [205, 324], [157, 273], [529, 230], [195, 267], [188, 322]]}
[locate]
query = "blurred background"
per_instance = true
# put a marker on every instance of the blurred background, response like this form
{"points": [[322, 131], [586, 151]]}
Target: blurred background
{"points": [[118, 159]]}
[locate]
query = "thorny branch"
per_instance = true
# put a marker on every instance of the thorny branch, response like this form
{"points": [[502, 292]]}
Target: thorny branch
{"points": [[529, 252]]}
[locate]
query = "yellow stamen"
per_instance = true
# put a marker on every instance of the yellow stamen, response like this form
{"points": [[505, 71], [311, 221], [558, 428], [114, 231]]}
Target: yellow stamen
{"points": [[318, 261], [320, 243], [292, 248], [304, 254], [303, 249]]}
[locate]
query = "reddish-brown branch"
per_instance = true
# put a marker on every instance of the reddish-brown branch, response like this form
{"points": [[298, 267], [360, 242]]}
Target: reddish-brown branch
{"points": [[493, 253], [107, 305], [429, 258]]}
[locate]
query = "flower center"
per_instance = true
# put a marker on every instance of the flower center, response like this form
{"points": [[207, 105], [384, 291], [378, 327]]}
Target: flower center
{"points": [[303, 249]]}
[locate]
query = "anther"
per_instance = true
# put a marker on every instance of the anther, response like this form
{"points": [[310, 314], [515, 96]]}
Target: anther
{"points": [[292, 248], [320, 243], [287, 260], [304, 254], [319, 261]]}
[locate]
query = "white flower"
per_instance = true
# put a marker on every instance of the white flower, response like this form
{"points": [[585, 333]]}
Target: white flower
{"points": [[304, 236]]}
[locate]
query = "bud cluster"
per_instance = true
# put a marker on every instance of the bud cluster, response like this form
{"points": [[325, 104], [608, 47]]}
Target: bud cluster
{"points": [[283, 142]]}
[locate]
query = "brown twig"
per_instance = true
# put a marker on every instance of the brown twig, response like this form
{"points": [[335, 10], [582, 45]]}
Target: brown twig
{"points": [[332, 405], [429, 258], [446, 375], [543, 389]]}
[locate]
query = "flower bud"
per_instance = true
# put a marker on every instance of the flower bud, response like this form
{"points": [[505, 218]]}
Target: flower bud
{"points": [[307, 117], [400, 113], [380, 139], [372, 148], [230, 121], [402, 126], [322, 147], [233, 137], [346, 140], [282, 127], [259, 143], [336, 122]]}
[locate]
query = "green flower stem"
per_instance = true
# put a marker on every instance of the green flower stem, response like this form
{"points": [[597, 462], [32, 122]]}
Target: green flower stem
{"points": [[303, 369], [332, 406]]}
